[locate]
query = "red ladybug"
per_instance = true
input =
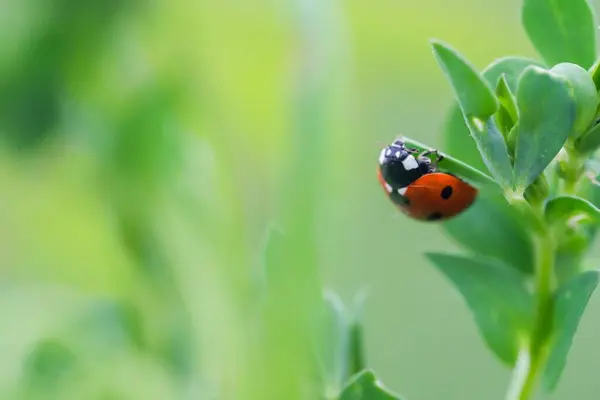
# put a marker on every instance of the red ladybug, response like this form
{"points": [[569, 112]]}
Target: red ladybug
{"points": [[412, 181]]}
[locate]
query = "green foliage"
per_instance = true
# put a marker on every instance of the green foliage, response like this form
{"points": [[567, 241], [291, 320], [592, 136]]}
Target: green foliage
{"points": [[508, 242], [365, 386], [145, 146], [507, 115], [536, 133], [564, 207], [497, 296], [571, 300], [456, 133], [561, 30], [589, 141], [544, 126], [478, 104], [583, 91]]}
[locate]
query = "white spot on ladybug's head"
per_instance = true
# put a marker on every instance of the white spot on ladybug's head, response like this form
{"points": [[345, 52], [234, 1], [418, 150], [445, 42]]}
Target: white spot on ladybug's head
{"points": [[388, 188], [401, 191], [388, 152], [398, 154], [410, 163], [382, 156]]}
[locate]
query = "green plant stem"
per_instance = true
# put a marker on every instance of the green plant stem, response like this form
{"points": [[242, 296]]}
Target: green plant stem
{"points": [[573, 169], [534, 352]]}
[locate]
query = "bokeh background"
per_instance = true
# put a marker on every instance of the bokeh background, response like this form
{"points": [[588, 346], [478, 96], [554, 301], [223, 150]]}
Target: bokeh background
{"points": [[147, 147]]}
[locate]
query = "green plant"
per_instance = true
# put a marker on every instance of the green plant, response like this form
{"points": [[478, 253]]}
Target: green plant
{"points": [[534, 132]]}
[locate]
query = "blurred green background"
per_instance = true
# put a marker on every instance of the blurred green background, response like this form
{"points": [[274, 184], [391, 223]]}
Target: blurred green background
{"points": [[146, 148]]}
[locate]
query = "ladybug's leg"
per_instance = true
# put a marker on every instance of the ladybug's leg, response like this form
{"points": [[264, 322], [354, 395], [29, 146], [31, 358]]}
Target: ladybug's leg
{"points": [[438, 157]]}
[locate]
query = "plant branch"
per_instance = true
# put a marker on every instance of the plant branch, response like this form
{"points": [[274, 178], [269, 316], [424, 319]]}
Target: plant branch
{"points": [[534, 352]]}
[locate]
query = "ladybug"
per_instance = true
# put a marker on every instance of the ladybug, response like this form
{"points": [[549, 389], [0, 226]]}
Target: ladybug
{"points": [[413, 182]]}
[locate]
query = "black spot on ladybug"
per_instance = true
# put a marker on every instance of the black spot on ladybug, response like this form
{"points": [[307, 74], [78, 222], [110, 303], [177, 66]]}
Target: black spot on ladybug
{"points": [[446, 192], [435, 216]]}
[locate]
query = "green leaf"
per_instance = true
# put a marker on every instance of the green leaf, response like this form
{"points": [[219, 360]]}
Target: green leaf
{"points": [[493, 149], [583, 91], [458, 140], [589, 141], [474, 94], [595, 73], [571, 300], [507, 115], [478, 104], [507, 242], [562, 207], [561, 30], [454, 165], [497, 296], [365, 386], [546, 118], [356, 349], [332, 357]]}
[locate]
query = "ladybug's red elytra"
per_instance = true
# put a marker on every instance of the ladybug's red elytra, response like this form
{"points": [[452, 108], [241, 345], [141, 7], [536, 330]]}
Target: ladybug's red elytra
{"points": [[413, 182]]}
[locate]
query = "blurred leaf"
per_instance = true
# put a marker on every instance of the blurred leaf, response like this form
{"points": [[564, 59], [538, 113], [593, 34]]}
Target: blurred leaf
{"points": [[571, 300], [561, 30], [498, 297], [583, 91], [478, 104], [340, 352], [508, 241], [564, 206], [273, 255], [454, 165], [365, 386], [356, 350], [458, 140], [48, 363], [332, 350], [507, 115], [544, 126]]}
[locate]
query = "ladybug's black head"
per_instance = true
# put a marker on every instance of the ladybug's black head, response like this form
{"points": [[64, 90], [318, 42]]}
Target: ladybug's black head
{"points": [[400, 166]]}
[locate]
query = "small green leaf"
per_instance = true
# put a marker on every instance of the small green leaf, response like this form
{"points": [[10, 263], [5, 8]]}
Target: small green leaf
{"points": [[493, 149], [561, 30], [571, 300], [562, 207], [595, 73], [478, 104], [474, 94], [356, 349], [458, 140], [365, 386], [332, 355], [507, 242], [589, 141], [546, 118], [454, 165], [584, 93], [498, 297], [507, 115]]}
